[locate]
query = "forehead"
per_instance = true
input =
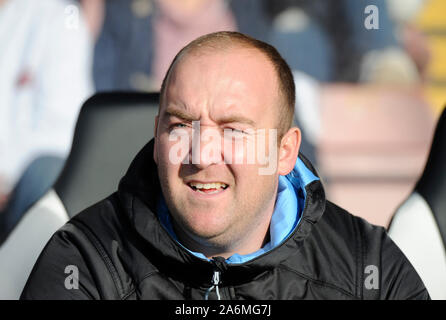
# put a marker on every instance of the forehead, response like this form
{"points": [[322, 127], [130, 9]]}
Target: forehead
{"points": [[218, 78]]}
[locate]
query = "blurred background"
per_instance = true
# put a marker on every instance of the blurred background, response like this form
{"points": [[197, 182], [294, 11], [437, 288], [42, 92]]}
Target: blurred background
{"points": [[370, 77]]}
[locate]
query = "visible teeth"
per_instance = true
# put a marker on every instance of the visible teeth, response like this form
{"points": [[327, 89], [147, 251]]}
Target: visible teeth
{"points": [[213, 185]]}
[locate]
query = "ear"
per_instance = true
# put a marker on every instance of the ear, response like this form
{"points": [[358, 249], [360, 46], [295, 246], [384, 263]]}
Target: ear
{"points": [[155, 134], [289, 151]]}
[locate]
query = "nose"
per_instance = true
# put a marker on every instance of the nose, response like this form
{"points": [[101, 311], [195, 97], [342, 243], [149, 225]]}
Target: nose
{"points": [[206, 147]]}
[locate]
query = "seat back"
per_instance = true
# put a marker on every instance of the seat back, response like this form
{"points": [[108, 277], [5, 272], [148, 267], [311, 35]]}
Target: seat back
{"points": [[418, 226], [111, 129], [432, 184]]}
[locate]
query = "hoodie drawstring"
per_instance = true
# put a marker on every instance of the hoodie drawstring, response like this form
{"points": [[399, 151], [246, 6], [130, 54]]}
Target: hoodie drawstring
{"points": [[215, 283]]}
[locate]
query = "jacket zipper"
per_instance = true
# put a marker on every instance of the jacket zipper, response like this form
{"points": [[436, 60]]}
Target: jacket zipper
{"points": [[215, 282], [219, 264]]}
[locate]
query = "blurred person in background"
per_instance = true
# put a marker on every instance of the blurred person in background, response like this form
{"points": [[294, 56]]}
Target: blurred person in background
{"points": [[415, 43], [328, 40], [139, 38], [45, 63], [93, 11]]}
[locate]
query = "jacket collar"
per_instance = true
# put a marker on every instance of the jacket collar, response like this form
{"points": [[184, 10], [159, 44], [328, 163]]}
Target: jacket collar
{"points": [[140, 190]]}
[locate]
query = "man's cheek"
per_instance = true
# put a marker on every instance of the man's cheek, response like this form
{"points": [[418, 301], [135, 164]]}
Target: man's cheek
{"points": [[237, 154], [240, 151], [178, 147]]}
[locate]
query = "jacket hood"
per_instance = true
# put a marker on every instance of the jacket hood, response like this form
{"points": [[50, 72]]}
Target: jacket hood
{"points": [[139, 191]]}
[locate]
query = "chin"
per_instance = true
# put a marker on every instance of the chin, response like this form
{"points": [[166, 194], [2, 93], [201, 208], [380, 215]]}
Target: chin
{"points": [[205, 225]]}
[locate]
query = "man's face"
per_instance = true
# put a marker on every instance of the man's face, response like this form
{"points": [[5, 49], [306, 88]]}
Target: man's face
{"points": [[237, 90]]}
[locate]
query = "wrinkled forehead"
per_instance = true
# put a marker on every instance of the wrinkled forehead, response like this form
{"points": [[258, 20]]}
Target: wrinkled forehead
{"points": [[239, 73]]}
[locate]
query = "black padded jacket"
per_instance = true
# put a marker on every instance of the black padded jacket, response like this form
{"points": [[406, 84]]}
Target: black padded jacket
{"points": [[121, 251]]}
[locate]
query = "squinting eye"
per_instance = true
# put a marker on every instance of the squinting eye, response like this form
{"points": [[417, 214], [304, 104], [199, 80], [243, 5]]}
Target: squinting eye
{"points": [[234, 134], [178, 125], [239, 131]]}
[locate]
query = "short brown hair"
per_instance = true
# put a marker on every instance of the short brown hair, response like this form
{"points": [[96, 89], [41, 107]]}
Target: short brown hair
{"points": [[224, 39]]}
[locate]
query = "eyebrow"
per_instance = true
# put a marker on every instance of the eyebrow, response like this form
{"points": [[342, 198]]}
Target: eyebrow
{"points": [[234, 118], [237, 119], [171, 112]]}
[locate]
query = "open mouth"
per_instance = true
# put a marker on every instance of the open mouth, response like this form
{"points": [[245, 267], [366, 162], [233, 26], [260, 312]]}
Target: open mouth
{"points": [[208, 188]]}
